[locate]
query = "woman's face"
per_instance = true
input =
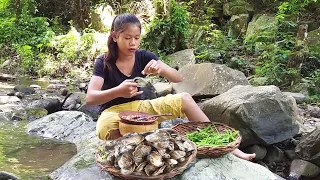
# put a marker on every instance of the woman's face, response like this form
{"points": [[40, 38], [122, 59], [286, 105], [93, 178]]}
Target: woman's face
{"points": [[129, 40]]}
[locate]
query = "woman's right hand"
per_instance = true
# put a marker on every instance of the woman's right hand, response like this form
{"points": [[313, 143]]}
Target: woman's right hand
{"points": [[128, 89]]}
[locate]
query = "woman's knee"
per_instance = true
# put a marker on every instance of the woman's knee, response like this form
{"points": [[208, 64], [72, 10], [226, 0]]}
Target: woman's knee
{"points": [[107, 122], [186, 99]]}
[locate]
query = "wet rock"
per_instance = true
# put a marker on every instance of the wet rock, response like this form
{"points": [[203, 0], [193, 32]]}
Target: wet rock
{"points": [[11, 93], [262, 114], [291, 154], [6, 77], [299, 97], [163, 89], [64, 91], [71, 102], [313, 111], [56, 86], [92, 111], [9, 99], [24, 114], [36, 87], [275, 154], [83, 87], [309, 147], [24, 89], [260, 151], [50, 104], [208, 79], [300, 168], [10, 107], [20, 95], [7, 176]]}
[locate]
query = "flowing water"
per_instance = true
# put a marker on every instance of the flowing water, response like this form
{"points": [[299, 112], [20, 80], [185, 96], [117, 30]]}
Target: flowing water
{"points": [[30, 157]]}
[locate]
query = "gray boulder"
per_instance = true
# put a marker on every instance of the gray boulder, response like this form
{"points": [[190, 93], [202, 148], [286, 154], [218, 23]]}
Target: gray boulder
{"points": [[182, 58], [237, 7], [314, 37], [299, 97], [238, 25], [309, 147], [24, 114], [208, 79], [9, 99], [300, 168], [260, 22], [50, 104], [262, 114], [24, 89]]}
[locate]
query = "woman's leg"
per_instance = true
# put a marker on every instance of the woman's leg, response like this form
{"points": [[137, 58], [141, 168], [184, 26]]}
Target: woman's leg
{"points": [[242, 155], [192, 110]]}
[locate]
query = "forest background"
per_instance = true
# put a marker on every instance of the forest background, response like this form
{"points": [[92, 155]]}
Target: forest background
{"points": [[61, 38]]}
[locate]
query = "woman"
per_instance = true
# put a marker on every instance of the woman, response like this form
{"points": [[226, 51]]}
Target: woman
{"points": [[112, 82]]}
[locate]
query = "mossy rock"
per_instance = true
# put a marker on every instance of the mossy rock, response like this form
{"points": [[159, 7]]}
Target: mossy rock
{"points": [[237, 7], [83, 163], [25, 114]]}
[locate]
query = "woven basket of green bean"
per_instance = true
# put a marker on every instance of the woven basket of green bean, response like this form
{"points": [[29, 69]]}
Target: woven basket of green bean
{"points": [[212, 139]]}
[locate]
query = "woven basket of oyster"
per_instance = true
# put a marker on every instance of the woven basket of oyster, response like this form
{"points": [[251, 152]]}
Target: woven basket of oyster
{"points": [[158, 154]]}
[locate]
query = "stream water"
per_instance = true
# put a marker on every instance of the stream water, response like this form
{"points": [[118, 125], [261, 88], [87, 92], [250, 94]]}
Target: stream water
{"points": [[30, 157]]}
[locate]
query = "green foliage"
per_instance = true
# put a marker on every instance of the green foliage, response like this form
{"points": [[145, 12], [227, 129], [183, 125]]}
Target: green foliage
{"points": [[213, 45], [166, 35], [313, 84], [293, 8]]}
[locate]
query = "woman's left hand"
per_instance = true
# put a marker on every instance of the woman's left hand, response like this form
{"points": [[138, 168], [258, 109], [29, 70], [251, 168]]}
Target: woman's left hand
{"points": [[154, 67]]}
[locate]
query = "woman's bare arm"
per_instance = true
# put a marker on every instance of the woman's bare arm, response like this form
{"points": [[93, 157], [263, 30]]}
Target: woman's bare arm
{"points": [[96, 96]]}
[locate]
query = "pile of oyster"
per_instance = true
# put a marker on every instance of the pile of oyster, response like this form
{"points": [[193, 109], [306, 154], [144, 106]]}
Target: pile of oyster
{"points": [[149, 154]]}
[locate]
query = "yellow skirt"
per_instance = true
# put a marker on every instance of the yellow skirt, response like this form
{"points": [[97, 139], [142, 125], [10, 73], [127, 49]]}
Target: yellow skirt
{"points": [[109, 118]]}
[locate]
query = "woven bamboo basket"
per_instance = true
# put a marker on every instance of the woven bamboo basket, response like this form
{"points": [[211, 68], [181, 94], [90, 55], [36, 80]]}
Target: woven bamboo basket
{"points": [[136, 176], [203, 152]]}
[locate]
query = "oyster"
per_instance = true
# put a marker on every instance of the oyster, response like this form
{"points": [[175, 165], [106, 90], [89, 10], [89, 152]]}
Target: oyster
{"points": [[188, 146], [159, 171], [142, 82], [140, 152], [127, 148], [128, 170], [133, 140], [155, 159], [141, 166], [180, 145], [171, 162], [149, 169], [177, 154], [181, 159], [125, 161], [110, 158], [158, 135], [161, 144]]}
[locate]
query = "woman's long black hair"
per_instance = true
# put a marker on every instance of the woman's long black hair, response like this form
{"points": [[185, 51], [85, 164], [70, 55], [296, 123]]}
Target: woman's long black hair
{"points": [[119, 24]]}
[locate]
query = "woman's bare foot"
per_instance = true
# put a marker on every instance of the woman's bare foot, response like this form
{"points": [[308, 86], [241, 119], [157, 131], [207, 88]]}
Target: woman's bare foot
{"points": [[242, 155]]}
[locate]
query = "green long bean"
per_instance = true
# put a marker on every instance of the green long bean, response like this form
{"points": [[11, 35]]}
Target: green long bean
{"points": [[211, 137]]}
